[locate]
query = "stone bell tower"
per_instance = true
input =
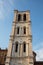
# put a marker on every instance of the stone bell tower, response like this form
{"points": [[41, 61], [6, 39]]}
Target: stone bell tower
{"points": [[20, 44]]}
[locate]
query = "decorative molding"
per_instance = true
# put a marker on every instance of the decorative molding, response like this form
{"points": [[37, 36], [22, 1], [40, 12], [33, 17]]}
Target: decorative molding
{"points": [[22, 22], [23, 36], [19, 57]]}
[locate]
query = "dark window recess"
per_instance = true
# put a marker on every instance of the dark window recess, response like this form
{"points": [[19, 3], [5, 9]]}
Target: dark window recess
{"points": [[16, 47], [18, 30], [19, 17], [24, 47], [4, 57], [24, 30], [24, 17]]}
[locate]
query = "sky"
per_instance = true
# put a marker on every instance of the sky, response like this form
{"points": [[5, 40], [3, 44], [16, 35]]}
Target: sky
{"points": [[7, 8]]}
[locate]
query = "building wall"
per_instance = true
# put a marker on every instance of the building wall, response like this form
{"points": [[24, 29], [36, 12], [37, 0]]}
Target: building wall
{"points": [[3, 53]]}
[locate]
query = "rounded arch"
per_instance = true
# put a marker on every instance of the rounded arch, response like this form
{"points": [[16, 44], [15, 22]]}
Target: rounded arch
{"points": [[16, 42], [18, 28], [19, 17], [24, 42], [24, 46], [24, 29], [16, 46], [24, 17]]}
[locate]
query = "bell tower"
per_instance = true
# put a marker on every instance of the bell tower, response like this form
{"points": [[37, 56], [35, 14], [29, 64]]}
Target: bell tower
{"points": [[20, 44]]}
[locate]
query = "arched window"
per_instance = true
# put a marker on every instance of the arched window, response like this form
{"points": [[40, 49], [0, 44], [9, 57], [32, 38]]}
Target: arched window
{"points": [[17, 30], [24, 30], [24, 17], [19, 17], [16, 46], [24, 47]]}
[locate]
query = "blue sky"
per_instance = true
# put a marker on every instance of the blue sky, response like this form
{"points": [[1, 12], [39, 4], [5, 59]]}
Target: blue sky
{"points": [[7, 8]]}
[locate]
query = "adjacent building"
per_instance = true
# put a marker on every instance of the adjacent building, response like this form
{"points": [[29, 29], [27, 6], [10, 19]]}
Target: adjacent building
{"points": [[3, 53]]}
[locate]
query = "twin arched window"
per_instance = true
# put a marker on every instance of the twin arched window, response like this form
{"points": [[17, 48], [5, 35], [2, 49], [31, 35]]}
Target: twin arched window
{"points": [[19, 17], [24, 30], [16, 47]]}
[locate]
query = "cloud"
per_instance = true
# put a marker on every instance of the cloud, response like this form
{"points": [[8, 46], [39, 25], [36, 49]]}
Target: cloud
{"points": [[39, 55], [1, 3], [11, 2], [5, 8], [1, 9], [39, 52]]}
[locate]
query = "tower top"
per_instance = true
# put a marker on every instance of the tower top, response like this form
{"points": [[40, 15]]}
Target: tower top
{"points": [[22, 11], [22, 15]]}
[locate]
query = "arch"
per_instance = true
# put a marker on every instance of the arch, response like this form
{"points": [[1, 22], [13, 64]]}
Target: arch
{"points": [[18, 30], [24, 29], [24, 46], [16, 46], [24, 17], [19, 17]]}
